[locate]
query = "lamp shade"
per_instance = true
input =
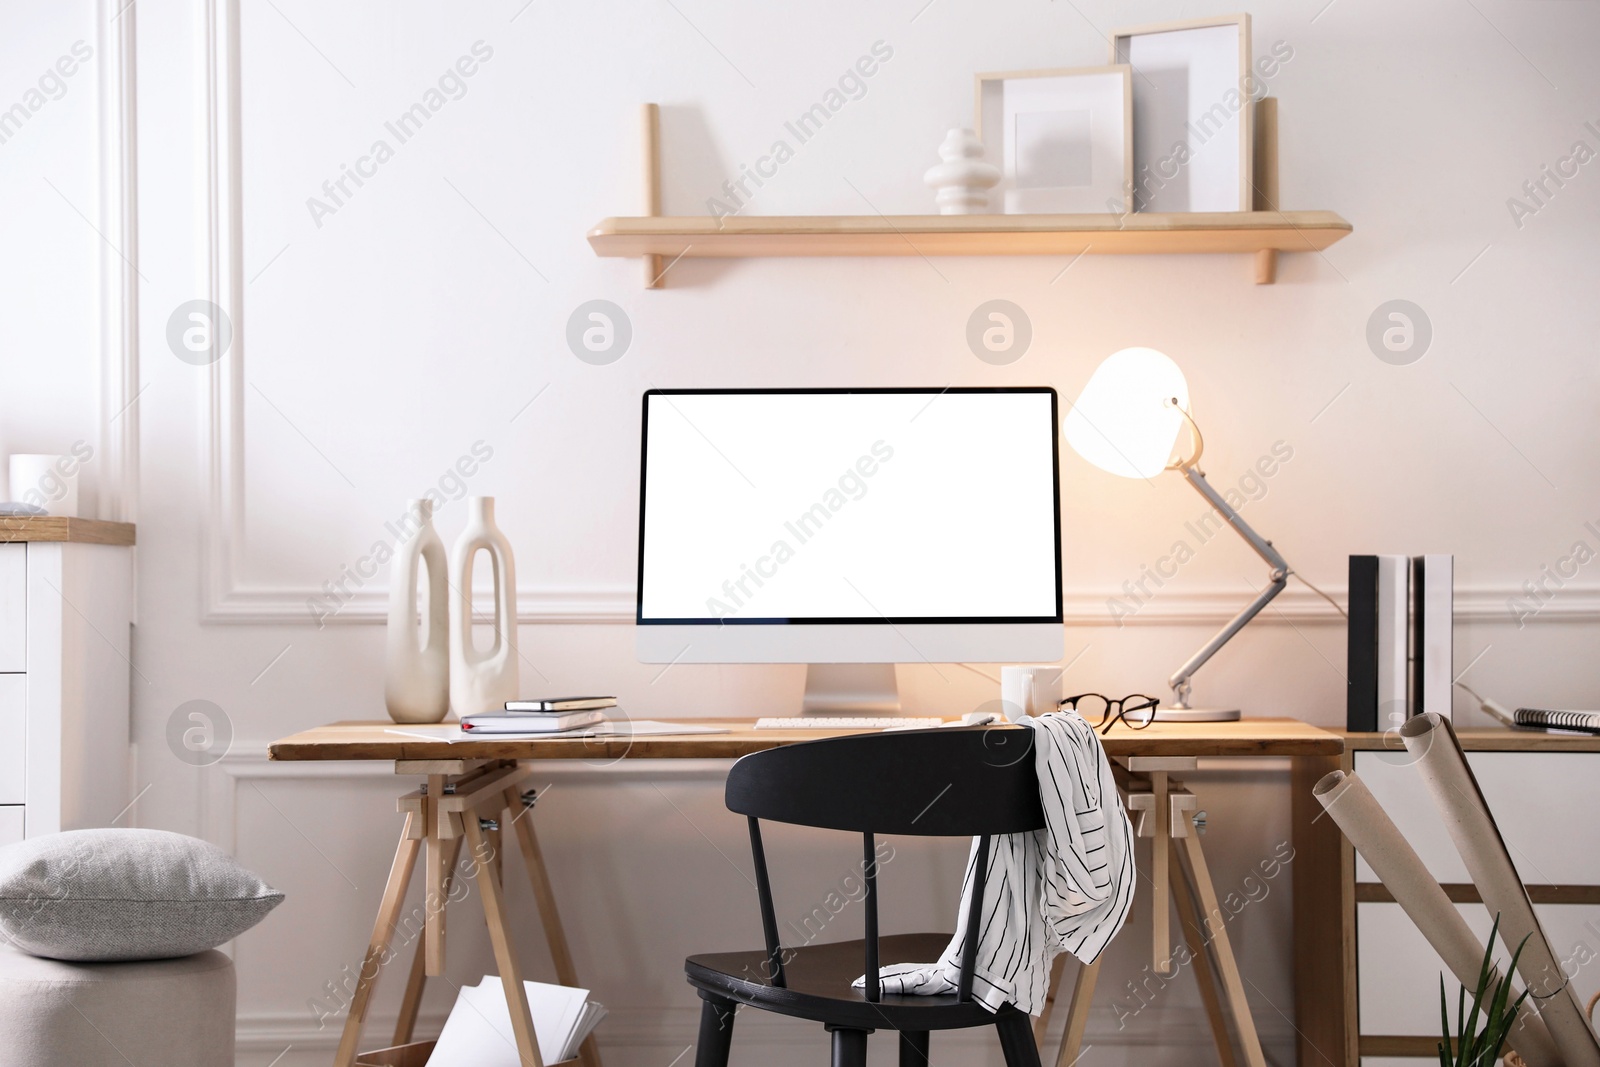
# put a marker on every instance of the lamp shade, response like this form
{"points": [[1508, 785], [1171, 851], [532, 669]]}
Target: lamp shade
{"points": [[1124, 421]]}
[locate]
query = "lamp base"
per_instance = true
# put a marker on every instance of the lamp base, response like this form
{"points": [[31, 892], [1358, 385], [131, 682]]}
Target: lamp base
{"points": [[1197, 715]]}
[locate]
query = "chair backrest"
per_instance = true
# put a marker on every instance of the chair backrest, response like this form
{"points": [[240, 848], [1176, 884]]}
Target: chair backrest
{"points": [[927, 783]]}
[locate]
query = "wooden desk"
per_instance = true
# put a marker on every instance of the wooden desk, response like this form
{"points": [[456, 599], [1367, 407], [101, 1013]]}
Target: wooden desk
{"points": [[374, 741], [472, 780]]}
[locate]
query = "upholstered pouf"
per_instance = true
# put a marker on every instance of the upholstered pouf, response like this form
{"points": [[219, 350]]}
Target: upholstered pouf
{"points": [[149, 1013]]}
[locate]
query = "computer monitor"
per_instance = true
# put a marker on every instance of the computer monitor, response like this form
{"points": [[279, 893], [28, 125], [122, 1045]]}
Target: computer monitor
{"points": [[850, 527]]}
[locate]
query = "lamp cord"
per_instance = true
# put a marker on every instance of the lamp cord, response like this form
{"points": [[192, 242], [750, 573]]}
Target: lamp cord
{"points": [[1488, 707], [1336, 605]]}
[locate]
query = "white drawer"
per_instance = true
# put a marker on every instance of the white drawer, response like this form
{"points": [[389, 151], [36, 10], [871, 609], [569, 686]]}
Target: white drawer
{"points": [[10, 824], [1544, 803], [13, 608], [13, 737], [1399, 971]]}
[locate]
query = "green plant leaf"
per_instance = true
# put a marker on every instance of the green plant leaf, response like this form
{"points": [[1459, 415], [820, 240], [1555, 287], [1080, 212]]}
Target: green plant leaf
{"points": [[1444, 1017], [1474, 1047]]}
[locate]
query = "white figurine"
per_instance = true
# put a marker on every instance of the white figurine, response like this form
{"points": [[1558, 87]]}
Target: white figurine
{"points": [[962, 182]]}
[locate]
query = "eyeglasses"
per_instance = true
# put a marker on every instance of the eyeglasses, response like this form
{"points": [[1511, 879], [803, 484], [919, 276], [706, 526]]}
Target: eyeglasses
{"points": [[1137, 711]]}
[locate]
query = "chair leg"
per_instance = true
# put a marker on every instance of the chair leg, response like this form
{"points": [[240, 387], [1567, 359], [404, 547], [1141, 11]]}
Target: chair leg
{"points": [[849, 1048], [914, 1048], [1016, 1040], [716, 1032]]}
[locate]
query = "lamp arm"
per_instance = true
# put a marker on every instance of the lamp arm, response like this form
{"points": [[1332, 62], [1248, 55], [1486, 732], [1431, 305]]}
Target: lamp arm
{"points": [[1279, 578]]}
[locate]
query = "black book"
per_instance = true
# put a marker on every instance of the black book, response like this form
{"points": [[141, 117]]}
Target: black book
{"points": [[1361, 659]]}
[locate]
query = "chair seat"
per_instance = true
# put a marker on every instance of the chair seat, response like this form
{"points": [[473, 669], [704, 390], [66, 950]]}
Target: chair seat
{"points": [[817, 985]]}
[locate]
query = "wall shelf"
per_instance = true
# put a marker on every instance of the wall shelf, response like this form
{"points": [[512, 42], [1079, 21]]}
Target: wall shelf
{"points": [[968, 235], [662, 240]]}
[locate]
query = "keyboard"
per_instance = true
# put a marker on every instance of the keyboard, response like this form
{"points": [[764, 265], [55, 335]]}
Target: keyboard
{"points": [[848, 722]]}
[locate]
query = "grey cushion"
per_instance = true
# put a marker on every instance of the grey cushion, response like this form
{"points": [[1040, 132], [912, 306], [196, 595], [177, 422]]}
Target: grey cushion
{"points": [[156, 1013], [104, 895]]}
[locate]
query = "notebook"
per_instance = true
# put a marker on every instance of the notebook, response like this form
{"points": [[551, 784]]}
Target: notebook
{"points": [[545, 722], [1551, 719], [478, 1031], [450, 733]]}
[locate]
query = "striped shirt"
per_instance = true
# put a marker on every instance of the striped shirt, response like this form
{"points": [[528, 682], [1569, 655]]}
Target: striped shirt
{"points": [[1066, 888]]}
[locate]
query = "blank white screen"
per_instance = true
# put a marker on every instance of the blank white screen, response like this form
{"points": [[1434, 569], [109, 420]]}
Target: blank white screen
{"points": [[858, 506]]}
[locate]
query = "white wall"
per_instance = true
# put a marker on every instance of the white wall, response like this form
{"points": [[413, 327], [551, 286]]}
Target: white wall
{"points": [[49, 182], [372, 351]]}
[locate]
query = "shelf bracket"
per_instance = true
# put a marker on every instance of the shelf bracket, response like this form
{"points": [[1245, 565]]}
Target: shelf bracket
{"points": [[1265, 179]]}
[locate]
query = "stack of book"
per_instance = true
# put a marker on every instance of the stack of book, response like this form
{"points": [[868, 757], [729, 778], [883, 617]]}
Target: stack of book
{"points": [[1399, 655], [478, 1032], [541, 716]]}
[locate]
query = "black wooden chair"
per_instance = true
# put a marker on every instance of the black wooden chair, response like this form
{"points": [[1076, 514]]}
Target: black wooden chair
{"points": [[928, 783]]}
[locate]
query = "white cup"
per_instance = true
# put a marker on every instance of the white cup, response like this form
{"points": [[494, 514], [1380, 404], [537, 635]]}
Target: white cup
{"points": [[1030, 690], [51, 482]]}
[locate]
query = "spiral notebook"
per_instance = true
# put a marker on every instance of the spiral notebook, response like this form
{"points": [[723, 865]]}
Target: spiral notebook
{"points": [[1552, 719]]}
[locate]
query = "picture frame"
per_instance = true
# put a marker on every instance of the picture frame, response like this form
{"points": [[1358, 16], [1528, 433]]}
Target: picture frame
{"points": [[1193, 113], [1061, 138]]}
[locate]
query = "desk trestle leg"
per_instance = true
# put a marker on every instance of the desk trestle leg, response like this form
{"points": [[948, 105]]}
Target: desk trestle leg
{"points": [[394, 895], [1163, 809], [555, 935], [494, 913], [1215, 925], [1205, 974], [411, 1003], [472, 805], [1078, 1013]]}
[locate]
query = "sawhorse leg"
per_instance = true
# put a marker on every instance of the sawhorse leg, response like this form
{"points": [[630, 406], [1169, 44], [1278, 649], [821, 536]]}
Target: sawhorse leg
{"points": [[544, 896], [1199, 956], [410, 1004], [1042, 1023], [394, 895], [1215, 926], [1163, 807], [505, 956], [1078, 1013], [443, 816]]}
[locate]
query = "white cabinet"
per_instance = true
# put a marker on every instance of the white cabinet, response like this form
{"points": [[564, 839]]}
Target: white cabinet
{"points": [[66, 612], [13, 738], [1545, 803], [13, 609], [1400, 971], [11, 825]]}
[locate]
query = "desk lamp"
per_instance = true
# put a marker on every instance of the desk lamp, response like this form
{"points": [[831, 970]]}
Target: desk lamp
{"points": [[1127, 422]]}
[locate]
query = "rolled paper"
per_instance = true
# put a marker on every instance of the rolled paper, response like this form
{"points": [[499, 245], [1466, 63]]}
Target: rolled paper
{"points": [[1369, 828], [1439, 760]]}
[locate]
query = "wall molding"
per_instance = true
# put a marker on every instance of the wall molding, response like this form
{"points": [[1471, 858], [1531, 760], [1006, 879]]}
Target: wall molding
{"points": [[222, 451], [249, 762], [118, 209], [1173, 607], [226, 599], [668, 1031]]}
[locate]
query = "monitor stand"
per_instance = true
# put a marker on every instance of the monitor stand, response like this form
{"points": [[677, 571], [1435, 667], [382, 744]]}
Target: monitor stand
{"points": [[851, 689]]}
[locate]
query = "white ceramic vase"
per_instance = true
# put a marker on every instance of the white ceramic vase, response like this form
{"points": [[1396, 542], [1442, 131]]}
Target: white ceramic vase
{"points": [[482, 679], [962, 182], [416, 677]]}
